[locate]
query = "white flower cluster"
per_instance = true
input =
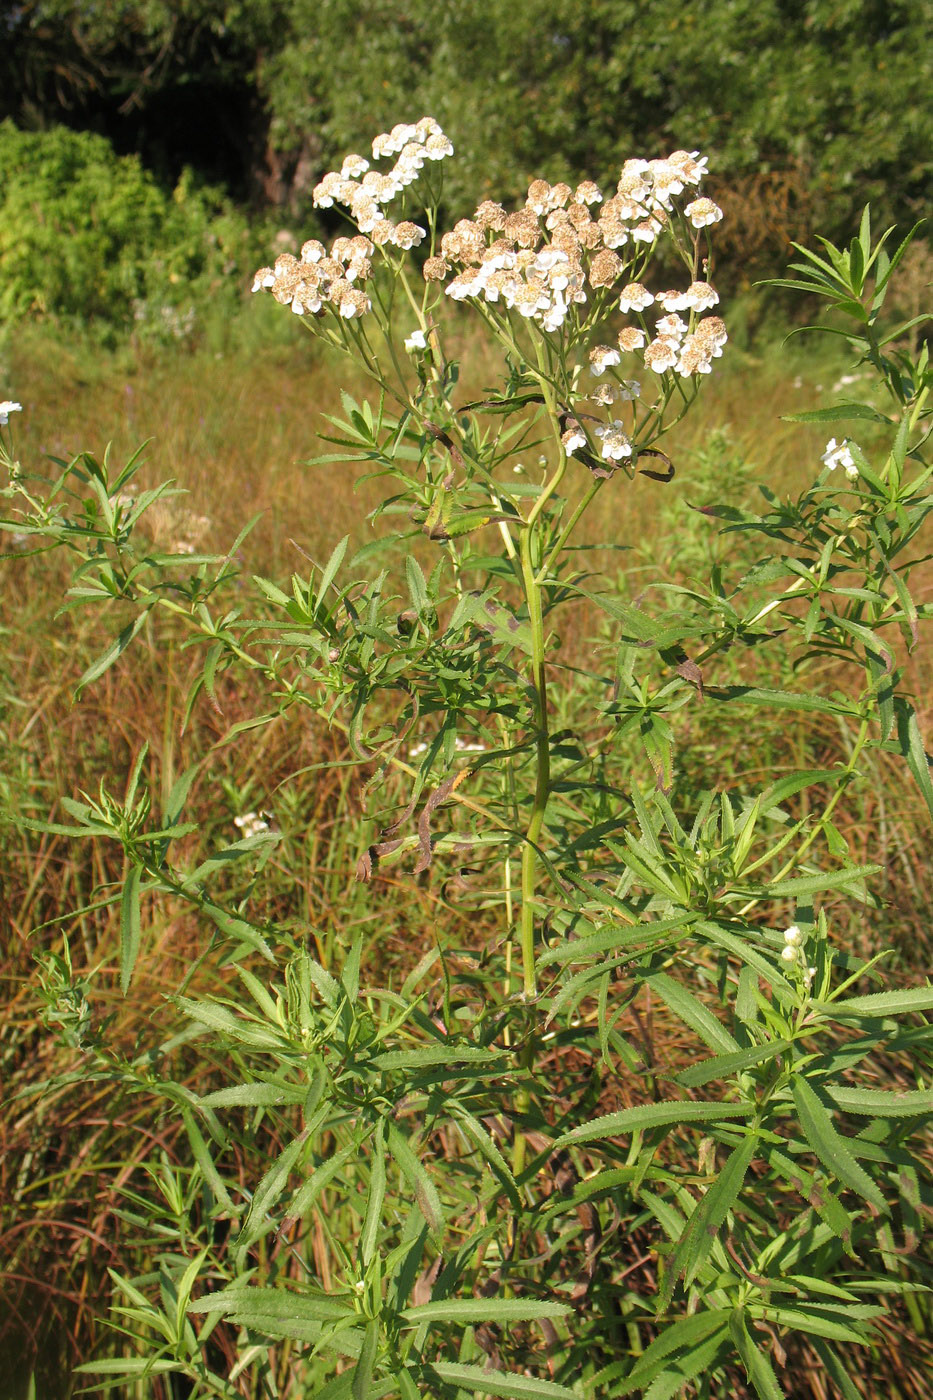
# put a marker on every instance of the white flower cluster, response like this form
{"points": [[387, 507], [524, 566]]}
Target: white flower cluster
{"points": [[251, 824], [839, 455], [6, 408], [551, 256], [319, 278], [335, 278], [363, 191]]}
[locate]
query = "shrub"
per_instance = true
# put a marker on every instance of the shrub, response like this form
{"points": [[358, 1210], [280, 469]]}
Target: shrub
{"points": [[89, 235]]}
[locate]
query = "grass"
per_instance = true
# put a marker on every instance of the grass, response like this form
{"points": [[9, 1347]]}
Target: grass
{"points": [[234, 430]]}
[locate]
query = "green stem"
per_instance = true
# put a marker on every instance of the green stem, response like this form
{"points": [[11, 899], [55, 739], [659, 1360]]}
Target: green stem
{"points": [[543, 757], [533, 599]]}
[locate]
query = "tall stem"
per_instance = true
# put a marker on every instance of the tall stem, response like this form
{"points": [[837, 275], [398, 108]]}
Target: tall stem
{"points": [[532, 585], [543, 764]]}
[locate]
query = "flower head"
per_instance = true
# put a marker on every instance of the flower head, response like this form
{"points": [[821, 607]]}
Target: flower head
{"points": [[6, 408], [635, 297], [601, 356], [615, 443], [573, 438], [415, 341], [703, 211]]}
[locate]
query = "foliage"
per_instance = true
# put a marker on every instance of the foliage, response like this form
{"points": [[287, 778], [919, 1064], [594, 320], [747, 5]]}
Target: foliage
{"points": [[87, 234], [479, 1177], [811, 108]]}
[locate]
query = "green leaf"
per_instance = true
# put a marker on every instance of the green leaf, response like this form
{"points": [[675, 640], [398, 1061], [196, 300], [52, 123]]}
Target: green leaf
{"points": [[447, 1055], [202, 1155], [683, 1336], [827, 880], [838, 1324], [881, 1103], [482, 1140], [897, 1003], [837, 1370], [837, 414], [757, 1366], [653, 1115], [113, 652], [692, 1012], [478, 1310], [724, 1066], [417, 588], [322, 1176], [830, 1147], [414, 1173], [248, 1303], [331, 567], [510, 1386], [253, 1095], [363, 1372], [697, 1239], [130, 926], [377, 1190], [269, 1191], [912, 749]]}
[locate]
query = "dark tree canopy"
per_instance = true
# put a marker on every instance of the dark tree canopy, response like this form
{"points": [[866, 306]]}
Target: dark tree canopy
{"points": [[807, 108]]}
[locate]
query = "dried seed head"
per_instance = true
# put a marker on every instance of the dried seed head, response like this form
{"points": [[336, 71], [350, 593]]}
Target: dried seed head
{"points": [[382, 232], [489, 214], [539, 194], [435, 270], [712, 330], [605, 268], [566, 240]]}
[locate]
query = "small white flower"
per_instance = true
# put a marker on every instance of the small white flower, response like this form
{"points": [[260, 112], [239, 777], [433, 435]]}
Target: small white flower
{"points": [[250, 824], [673, 327], [574, 438], [792, 936], [6, 408], [662, 354], [353, 167], [415, 341], [615, 442], [674, 301], [838, 455], [407, 234], [601, 357], [437, 146], [700, 296], [635, 297], [702, 212], [789, 953]]}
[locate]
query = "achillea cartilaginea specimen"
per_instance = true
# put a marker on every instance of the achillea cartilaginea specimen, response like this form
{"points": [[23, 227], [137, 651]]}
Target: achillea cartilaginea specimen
{"points": [[567, 262]]}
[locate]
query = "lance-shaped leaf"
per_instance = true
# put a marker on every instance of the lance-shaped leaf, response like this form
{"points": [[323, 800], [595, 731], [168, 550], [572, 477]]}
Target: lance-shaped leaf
{"points": [[511, 1386], [830, 1146], [695, 1243], [652, 1115]]}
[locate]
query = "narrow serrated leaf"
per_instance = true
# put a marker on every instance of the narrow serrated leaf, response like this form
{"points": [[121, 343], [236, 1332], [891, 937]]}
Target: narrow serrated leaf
{"points": [[830, 1146]]}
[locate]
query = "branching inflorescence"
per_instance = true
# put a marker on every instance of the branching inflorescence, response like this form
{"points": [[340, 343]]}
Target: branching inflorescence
{"points": [[565, 264]]}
